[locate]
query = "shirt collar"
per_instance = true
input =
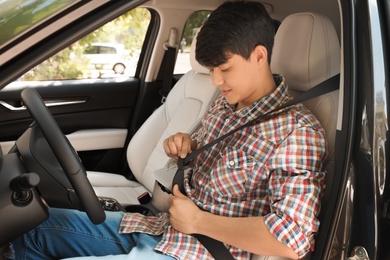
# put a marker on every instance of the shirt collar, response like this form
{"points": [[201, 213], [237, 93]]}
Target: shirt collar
{"points": [[267, 103]]}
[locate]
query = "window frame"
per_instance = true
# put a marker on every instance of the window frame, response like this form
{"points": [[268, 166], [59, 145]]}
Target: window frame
{"points": [[63, 37]]}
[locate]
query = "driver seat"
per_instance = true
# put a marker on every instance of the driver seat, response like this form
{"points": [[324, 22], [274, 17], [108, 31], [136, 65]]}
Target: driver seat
{"points": [[307, 52], [182, 111], [311, 56]]}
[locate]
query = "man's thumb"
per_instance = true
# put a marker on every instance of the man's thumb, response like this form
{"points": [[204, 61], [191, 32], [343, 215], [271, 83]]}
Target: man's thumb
{"points": [[176, 191]]}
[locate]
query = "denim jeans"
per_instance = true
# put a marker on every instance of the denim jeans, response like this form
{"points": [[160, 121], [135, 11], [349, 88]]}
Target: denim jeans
{"points": [[69, 233]]}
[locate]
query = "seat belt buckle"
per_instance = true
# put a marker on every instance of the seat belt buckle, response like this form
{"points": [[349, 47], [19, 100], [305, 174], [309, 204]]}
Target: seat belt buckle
{"points": [[144, 198]]}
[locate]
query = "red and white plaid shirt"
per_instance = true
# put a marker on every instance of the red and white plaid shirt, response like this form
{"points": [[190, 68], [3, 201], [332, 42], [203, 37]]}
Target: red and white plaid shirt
{"points": [[274, 169]]}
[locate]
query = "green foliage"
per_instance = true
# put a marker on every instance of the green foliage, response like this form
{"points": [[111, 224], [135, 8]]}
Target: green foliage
{"points": [[70, 63], [128, 29], [67, 64], [193, 24], [19, 15]]}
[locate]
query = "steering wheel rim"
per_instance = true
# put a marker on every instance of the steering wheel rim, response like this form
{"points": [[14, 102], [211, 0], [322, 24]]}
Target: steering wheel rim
{"points": [[65, 154]]}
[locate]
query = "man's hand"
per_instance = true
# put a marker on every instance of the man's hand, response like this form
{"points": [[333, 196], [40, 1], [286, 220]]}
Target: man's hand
{"points": [[183, 212], [248, 233], [179, 145]]}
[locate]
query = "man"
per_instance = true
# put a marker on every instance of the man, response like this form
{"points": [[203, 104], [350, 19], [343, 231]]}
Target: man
{"points": [[258, 191]]}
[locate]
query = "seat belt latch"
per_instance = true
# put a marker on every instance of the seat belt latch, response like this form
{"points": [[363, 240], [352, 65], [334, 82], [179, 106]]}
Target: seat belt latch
{"points": [[144, 198]]}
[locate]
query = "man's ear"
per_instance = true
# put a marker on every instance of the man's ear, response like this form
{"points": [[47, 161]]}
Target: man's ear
{"points": [[260, 54]]}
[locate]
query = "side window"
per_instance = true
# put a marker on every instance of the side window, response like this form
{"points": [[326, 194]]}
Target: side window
{"points": [[110, 51], [193, 24], [91, 50]]}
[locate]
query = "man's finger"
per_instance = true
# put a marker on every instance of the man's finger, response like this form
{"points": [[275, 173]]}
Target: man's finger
{"points": [[176, 192]]}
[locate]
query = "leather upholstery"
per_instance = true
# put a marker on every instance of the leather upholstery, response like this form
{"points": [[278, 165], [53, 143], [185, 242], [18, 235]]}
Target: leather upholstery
{"points": [[307, 52]]}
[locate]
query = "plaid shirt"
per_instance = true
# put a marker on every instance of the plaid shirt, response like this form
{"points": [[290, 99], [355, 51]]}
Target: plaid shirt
{"points": [[274, 169]]}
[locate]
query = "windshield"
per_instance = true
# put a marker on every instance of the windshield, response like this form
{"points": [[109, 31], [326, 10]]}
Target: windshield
{"points": [[20, 16]]}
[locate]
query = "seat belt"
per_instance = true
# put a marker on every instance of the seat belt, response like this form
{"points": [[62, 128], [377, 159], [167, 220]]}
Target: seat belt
{"points": [[167, 65], [216, 248]]}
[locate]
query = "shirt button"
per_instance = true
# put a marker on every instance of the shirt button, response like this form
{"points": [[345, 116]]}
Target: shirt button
{"points": [[231, 163]]}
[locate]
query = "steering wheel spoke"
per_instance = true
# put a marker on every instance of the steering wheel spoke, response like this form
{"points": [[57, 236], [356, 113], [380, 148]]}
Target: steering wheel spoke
{"points": [[65, 154]]}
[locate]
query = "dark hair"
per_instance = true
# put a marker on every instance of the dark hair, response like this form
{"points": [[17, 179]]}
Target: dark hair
{"points": [[234, 28]]}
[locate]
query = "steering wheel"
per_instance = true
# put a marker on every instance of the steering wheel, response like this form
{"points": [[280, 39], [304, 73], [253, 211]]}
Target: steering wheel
{"points": [[65, 154]]}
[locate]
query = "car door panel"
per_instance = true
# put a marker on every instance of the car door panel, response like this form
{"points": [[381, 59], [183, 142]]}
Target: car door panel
{"points": [[94, 114]]}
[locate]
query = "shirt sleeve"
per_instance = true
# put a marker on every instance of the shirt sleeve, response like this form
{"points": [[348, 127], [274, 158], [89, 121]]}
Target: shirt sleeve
{"points": [[296, 185]]}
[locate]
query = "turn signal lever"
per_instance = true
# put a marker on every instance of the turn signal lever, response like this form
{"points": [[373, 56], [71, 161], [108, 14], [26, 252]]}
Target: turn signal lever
{"points": [[21, 187]]}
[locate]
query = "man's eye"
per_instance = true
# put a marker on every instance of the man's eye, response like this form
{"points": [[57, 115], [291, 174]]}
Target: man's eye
{"points": [[224, 70]]}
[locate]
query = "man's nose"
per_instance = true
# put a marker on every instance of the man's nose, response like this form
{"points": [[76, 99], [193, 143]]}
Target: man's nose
{"points": [[217, 77]]}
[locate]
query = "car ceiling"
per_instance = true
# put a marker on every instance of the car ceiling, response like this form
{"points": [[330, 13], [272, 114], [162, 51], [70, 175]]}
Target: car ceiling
{"points": [[278, 9], [173, 13]]}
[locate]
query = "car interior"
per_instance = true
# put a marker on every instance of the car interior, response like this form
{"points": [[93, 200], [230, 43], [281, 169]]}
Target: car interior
{"points": [[118, 130]]}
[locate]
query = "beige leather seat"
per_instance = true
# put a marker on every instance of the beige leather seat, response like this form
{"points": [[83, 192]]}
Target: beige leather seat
{"points": [[307, 52], [182, 111]]}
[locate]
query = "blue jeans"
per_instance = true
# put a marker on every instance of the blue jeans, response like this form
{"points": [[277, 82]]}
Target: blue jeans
{"points": [[70, 233]]}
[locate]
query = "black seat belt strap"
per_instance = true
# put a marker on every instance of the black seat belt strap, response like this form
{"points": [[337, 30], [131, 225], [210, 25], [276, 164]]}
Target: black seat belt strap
{"points": [[166, 72], [168, 63], [216, 248]]}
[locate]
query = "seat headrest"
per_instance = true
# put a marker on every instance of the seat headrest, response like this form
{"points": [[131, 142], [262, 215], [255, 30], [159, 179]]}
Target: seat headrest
{"points": [[306, 50], [194, 64]]}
